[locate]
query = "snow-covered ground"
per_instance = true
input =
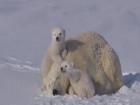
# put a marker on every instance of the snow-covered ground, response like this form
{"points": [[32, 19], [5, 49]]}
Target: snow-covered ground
{"points": [[25, 27]]}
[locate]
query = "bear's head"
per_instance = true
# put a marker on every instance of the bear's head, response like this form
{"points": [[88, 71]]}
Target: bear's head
{"points": [[58, 34], [56, 82], [66, 66]]}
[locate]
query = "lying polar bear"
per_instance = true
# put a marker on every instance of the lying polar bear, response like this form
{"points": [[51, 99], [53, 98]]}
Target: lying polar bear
{"points": [[91, 53], [56, 83], [81, 83]]}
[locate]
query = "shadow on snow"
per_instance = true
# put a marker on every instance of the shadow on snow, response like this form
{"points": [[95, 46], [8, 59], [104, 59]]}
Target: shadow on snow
{"points": [[130, 78]]}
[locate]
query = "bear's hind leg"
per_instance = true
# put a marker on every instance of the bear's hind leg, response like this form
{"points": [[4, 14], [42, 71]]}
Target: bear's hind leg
{"points": [[71, 91]]}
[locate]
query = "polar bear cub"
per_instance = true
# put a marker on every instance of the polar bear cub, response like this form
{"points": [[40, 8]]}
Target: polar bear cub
{"points": [[81, 83], [55, 53]]}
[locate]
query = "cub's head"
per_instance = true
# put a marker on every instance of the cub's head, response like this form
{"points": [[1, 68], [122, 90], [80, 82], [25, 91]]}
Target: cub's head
{"points": [[66, 66], [58, 34]]}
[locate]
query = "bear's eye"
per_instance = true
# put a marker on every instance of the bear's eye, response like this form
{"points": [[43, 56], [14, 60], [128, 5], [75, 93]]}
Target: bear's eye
{"points": [[60, 34], [57, 78], [65, 65]]}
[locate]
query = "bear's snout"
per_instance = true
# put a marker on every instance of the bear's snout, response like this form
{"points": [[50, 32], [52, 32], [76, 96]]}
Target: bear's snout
{"points": [[57, 38], [62, 70], [55, 92]]}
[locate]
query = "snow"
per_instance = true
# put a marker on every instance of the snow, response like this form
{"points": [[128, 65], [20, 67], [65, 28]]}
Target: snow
{"points": [[25, 27]]}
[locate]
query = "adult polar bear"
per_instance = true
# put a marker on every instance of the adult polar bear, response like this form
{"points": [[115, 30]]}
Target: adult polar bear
{"points": [[91, 53]]}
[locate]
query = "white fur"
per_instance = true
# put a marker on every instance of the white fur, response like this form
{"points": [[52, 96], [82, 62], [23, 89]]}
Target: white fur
{"points": [[81, 83], [56, 53], [54, 79], [91, 53]]}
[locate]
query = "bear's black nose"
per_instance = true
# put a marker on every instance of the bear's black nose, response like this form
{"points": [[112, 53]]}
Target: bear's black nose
{"points": [[55, 92], [57, 38], [61, 68]]}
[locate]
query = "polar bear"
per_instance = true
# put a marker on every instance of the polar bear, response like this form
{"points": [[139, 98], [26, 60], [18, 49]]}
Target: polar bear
{"points": [[91, 53], [55, 80], [56, 53], [81, 83]]}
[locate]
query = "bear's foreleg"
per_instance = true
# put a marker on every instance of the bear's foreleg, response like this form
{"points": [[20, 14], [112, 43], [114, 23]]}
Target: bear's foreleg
{"points": [[64, 53], [57, 58], [71, 91]]}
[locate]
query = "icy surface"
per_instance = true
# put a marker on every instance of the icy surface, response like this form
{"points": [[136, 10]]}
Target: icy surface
{"points": [[25, 27], [20, 85]]}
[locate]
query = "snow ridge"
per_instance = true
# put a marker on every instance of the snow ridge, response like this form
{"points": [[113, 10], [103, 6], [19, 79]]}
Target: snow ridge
{"points": [[18, 65]]}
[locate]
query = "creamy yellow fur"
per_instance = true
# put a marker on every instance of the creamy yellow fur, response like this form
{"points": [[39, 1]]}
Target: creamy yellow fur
{"points": [[91, 53], [55, 80]]}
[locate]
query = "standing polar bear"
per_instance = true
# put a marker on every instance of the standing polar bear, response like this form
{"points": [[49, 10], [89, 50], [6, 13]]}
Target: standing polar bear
{"points": [[91, 53], [81, 83], [56, 53]]}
